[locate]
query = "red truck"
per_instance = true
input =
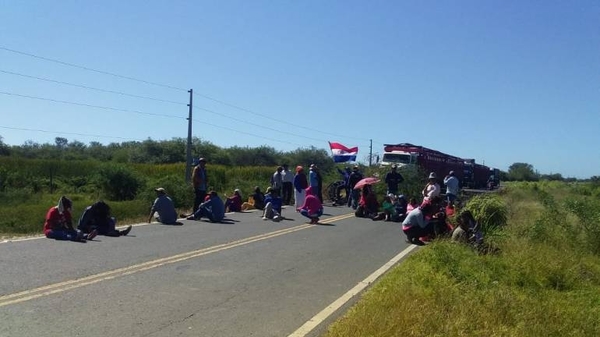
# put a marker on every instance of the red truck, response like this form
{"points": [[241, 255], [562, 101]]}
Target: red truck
{"points": [[469, 173]]}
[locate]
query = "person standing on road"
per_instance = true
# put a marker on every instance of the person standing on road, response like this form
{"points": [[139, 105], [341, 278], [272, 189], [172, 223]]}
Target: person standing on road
{"points": [[392, 179], [59, 223], [200, 183], [277, 180], [452, 187], [288, 185], [354, 195], [164, 206], [315, 180], [300, 185]]}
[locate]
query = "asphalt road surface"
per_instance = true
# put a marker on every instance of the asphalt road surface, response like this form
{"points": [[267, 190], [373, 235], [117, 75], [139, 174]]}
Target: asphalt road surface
{"points": [[247, 277]]}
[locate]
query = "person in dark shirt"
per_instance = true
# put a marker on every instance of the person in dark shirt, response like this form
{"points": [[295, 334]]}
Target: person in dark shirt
{"points": [[354, 195], [392, 179]]}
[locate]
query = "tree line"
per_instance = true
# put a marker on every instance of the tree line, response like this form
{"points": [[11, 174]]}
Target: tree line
{"points": [[174, 151]]}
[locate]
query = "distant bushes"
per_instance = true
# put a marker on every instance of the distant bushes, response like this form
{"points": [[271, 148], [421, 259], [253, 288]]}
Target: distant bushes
{"points": [[118, 182]]}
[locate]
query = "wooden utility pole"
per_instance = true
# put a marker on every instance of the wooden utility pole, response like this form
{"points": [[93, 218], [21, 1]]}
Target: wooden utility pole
{"points": [[371, 152], [188, 157]]}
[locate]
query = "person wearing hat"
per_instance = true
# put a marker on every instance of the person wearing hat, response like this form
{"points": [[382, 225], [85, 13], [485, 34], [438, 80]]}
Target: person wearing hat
{"points": [[199, 182], [432, 188], [59, 224], [234, 202], [452, 187], [392, 179], [164, 206]]}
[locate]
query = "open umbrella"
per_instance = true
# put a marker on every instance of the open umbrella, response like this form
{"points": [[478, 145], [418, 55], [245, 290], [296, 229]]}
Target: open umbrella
{"points": [[366, 181]]}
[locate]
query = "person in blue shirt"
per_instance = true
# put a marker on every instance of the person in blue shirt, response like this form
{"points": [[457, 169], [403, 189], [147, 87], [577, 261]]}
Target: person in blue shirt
{"points": [[213, 209], [273, 203], [163, 205]]}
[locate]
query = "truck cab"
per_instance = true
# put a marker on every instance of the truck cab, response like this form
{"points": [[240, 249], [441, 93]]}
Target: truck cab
{"points": [[400, 158]]}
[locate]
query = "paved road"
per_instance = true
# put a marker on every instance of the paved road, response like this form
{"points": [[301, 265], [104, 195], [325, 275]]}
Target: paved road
{"points": [[246, 278]]}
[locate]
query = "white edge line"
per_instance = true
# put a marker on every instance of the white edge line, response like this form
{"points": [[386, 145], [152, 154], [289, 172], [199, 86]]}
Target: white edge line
{"points": [[312, 323]]}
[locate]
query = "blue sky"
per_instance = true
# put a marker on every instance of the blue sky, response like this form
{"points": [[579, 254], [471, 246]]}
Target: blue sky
{"points": [[498, 81]]}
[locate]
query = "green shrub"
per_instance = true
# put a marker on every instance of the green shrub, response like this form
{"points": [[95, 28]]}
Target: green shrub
{"points": [[118, 182], [489, 209]]}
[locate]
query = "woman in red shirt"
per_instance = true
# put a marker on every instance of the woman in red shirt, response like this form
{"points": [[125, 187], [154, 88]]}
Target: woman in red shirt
{"points": [[59, 223]]}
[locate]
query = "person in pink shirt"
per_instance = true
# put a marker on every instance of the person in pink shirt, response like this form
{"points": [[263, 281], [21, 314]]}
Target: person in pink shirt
{"points": [[312, 207]]}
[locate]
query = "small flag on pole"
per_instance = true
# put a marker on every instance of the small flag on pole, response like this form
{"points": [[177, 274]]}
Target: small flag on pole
{"points": [[341, 153]]}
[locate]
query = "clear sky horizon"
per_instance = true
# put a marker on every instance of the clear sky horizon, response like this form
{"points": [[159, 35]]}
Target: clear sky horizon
{"points": [[498, 81]]}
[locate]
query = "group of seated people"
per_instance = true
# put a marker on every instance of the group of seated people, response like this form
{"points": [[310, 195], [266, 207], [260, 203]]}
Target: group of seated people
{"points": [[95, 220], [270, 203], [420, 222]]}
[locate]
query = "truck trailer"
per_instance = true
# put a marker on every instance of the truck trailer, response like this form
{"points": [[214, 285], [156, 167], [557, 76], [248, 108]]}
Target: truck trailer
{"points": [[468, 172]]}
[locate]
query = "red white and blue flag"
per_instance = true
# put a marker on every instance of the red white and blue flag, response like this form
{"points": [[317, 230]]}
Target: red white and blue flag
{"points": [[341, 153]]}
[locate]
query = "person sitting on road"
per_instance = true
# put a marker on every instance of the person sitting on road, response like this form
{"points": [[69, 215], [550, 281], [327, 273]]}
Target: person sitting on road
{"points": [[273, 203], [97, 216], [59, 224], [164, 206], [312, 207], [389, 209], [234, 202], [417, 224], [213, 209], [412, 204], [432, 188], [368, 206], [401, 206], [255, 201]]}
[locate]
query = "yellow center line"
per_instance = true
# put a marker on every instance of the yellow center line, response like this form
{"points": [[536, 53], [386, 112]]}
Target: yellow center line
{"points": [[108, 275]]}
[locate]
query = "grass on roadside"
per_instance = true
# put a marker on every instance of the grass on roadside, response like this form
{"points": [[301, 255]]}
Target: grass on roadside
{"points": [[545, 281]]}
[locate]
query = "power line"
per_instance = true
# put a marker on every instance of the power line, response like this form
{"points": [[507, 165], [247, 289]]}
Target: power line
{"points": [[90, 88], [247, 133], [260, 126], [64, 133], [90, 105], [271, 117], [91, 69], [160, 85]]}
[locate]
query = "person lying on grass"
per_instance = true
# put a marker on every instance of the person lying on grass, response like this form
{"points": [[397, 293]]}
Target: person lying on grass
{"points": [[97, 217], [59, 223], [312, 207]]}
